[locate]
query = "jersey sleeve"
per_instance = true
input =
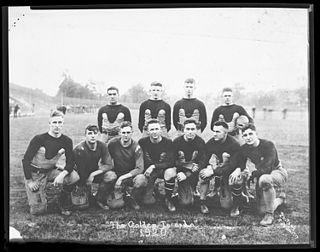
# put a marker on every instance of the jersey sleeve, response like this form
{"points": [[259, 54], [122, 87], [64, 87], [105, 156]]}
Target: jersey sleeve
{"points": [[31, 151], [215, 117], [265, 166], [100, 120], [141, 117], [203, 116], [168, 117], [175, 115], [69, 156], [105, 160], [139, 167], [127, 115]]}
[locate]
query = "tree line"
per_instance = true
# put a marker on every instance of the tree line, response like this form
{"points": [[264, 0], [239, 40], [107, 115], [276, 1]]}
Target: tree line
{"points": [[137, 93]]}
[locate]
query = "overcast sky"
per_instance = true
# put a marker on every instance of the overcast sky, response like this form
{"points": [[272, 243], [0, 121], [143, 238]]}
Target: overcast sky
{"points": [[261, 48]]}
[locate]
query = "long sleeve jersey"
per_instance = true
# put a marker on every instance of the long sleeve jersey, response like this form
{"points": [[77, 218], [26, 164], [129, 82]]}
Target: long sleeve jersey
{"points": [[158, 154], [126, 159], [264, 157], [190, 106], [112, 112], [155, 106], [227, 111], [51, 147], [187, 153], [229, 146], [88, 160]]}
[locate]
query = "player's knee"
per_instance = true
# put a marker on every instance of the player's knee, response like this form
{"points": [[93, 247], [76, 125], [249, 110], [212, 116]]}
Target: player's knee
{"points": [[170, 173], [72, 178], [140, 181], [37, 209], [226, 202], [109, 176], [265, 182], [186, 201]]}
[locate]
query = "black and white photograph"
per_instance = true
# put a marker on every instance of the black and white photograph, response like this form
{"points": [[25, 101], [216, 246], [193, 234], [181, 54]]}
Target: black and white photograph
{"points": [[184, 125]]}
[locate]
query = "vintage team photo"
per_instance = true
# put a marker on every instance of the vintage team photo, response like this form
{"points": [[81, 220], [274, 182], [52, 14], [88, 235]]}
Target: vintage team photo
{"points": [[174, 126]]}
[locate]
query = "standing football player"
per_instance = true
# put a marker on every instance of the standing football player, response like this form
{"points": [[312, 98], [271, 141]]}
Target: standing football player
{"points": [[155, 108], [189, 107], [228, 112], [112, 115]]}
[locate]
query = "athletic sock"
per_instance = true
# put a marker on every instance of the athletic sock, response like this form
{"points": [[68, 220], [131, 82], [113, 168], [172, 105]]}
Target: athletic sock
{"points": [[169, 186]]}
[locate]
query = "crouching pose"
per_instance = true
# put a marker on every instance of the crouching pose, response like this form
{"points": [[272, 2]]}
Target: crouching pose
{"points": [[189, 151], [49, 158], [93, 163], [158, 163], [221, 153], [127, 179], [269, 173]]}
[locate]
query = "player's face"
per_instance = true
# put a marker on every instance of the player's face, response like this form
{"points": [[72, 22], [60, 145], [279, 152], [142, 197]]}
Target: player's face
{"points": [[227, 97], [155, 92], [154, 131], [56, 125], [250, 136], [219, 133], [126, 134], [190, 131], [113, 96], [189, 89], [91, 136]]}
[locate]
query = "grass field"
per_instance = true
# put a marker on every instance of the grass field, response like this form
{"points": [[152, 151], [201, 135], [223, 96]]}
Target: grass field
{"points": [[155, 225]]}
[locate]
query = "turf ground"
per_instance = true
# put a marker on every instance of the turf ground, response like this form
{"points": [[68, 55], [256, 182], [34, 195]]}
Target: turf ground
{"points": [[155, 225]]}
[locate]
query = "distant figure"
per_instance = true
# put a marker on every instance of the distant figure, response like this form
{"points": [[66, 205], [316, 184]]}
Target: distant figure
{"points": [[62, 108], [270, 110], [284, 113], [264, 113], [253, 112], [33, 105], [16, 111]]}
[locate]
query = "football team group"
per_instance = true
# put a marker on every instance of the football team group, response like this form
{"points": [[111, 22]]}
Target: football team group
{"points": [[126, 170]]}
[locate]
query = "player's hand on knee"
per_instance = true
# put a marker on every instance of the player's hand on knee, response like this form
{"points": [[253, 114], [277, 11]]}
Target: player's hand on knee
{"points": [[33, 185], [59, 179], [90, 180], [149, 170], [206, 173], [181, 176], [195, 167]]}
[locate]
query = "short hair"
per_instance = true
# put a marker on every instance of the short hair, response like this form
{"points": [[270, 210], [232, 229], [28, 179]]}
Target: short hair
{"points": [[227, 89], [190, 121], [62, 108], [156, 83], [125, 124], [249, 126], [190, 80], [223, 124], [92, 127], [152, 121], [242, 119], [56, 113], [113, 88]]}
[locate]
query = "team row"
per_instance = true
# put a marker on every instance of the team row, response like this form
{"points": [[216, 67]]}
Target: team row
{"points": [[126, 169]]}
